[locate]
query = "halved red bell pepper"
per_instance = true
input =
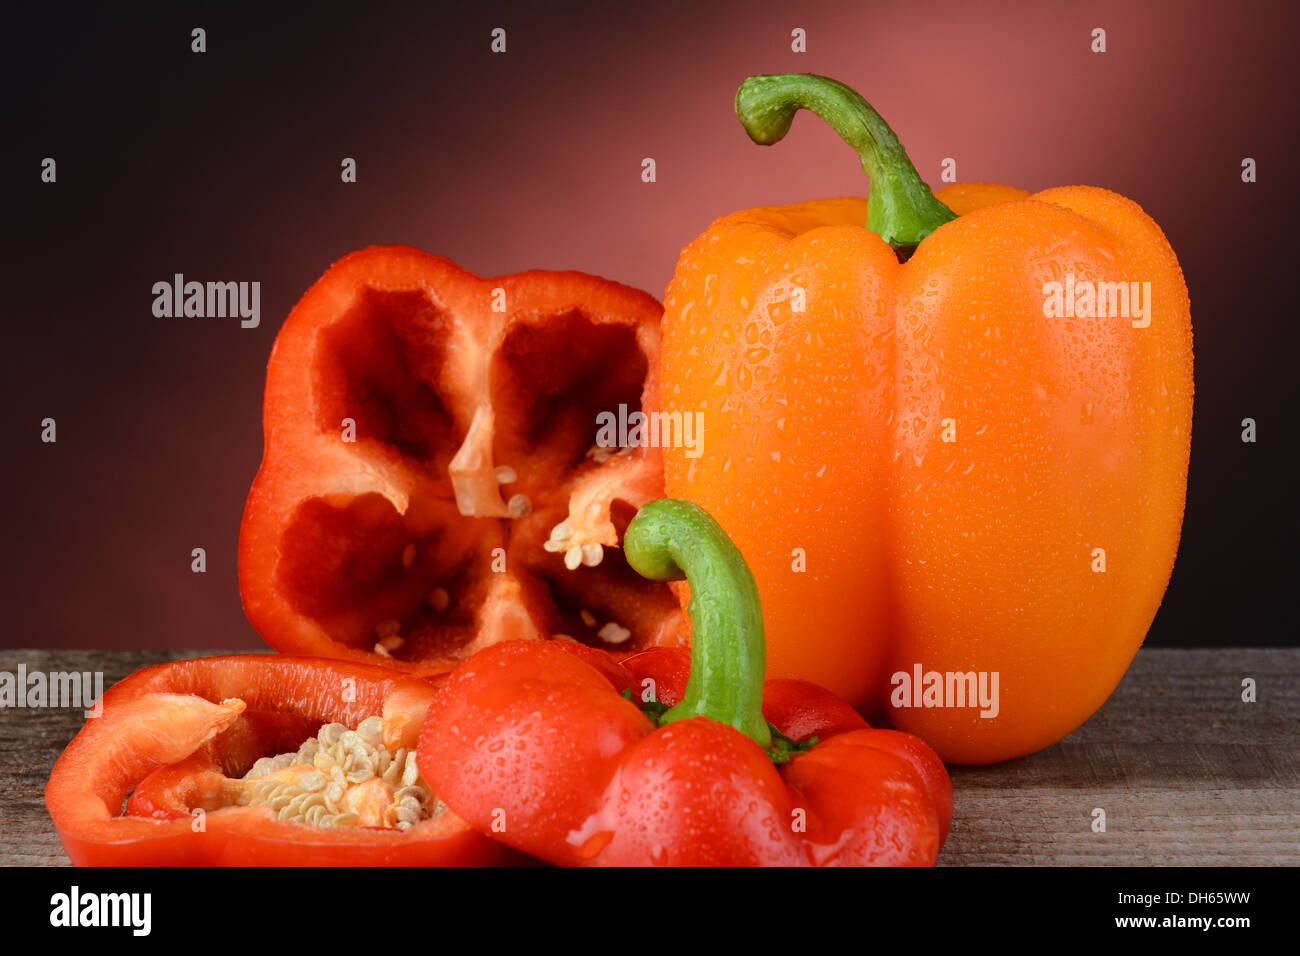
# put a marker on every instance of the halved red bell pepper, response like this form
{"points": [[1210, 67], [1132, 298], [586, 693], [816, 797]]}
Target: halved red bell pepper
{"points": [[432, 480], [531, 743], [174, 731]]}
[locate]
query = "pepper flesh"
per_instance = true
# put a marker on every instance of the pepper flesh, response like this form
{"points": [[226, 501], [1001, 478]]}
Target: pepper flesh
{"points": [[920, 466], [426, 487], [184, 726], [550, 754]]}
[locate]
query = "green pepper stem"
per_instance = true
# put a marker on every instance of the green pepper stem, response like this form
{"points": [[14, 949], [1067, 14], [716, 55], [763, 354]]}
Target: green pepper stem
{"points": [[901, 209], [669, 540]]}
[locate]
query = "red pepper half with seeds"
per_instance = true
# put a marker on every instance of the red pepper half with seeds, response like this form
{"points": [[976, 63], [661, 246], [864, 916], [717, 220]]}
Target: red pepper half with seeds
{"points": [[431, 481], [256, 760], [589, 765]]}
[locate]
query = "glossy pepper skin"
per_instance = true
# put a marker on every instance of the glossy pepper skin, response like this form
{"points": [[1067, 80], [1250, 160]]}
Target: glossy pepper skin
{"points": [[920, 465], [543, 747], [427, 431], [169, 732]]}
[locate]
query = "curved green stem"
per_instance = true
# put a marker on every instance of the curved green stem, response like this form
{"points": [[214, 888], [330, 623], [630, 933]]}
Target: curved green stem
{"points": [[669, 540], [901, 209]]}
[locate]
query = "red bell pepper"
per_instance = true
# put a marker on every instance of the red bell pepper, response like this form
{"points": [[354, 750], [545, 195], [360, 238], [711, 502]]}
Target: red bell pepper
{"points": [[173, 733], [533, 744], [431, 482]]}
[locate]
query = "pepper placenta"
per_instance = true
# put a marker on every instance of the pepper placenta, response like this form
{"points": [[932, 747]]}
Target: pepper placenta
{"points": [[578, 763], [432, 481], [177, 737], [951, 447]]}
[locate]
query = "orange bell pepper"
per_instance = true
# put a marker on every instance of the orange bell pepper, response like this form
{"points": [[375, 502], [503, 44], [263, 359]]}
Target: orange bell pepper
{"points": [[930, 457]]}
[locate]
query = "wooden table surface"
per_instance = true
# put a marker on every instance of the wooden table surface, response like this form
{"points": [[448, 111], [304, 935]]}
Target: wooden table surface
{"points": [[1187, 773]]}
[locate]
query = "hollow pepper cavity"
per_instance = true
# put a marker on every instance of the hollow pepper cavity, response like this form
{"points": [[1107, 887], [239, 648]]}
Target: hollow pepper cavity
{"points": [[952, 446], [431, 481], [577, 759]]}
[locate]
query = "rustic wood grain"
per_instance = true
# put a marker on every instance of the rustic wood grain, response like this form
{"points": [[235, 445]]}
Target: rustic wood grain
{"points": [[1187, 773]]}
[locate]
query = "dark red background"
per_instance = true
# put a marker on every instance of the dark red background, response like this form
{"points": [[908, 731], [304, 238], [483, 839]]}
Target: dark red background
{"points": [[225, 166]]}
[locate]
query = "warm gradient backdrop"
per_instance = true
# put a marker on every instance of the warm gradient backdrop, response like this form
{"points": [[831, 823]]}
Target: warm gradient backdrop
{"points": [[225, 166]]}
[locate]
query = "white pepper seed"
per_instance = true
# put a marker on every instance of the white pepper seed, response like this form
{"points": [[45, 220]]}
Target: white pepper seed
{"points": [[311, 786], [613, 633]]}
